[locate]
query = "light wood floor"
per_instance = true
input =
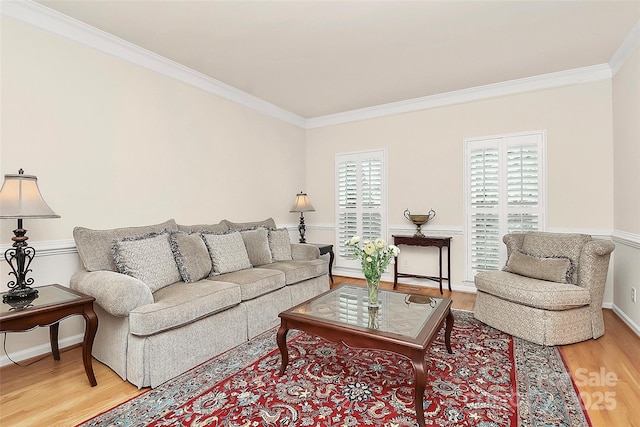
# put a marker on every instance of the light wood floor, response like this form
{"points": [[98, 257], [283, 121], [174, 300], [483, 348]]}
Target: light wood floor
{"points": [[50, 393]]}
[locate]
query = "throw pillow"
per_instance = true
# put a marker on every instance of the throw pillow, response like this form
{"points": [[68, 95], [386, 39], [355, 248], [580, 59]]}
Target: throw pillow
{"points": [[94, 246], [148, 258], [552, 269], [257, 244], [280, 244], [227, 252], [191, 255]]}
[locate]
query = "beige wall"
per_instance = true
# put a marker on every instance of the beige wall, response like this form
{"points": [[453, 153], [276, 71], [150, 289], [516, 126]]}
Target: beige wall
{"points": [[114, 145], [626, 149], [426, 158]]}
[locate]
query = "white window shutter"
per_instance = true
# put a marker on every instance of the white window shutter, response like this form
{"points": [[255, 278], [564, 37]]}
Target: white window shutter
{"points": [[504, 189], [360, 201]]}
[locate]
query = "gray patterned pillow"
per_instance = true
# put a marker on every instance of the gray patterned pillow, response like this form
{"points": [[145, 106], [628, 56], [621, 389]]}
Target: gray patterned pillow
{"points": [[257, 244], [227, 252], [148, 258], [553, 269], [191, 255], [280, 244]]}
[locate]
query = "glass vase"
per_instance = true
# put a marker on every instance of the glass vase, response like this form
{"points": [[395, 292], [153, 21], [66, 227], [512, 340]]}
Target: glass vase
{"points": [[372, 287]]}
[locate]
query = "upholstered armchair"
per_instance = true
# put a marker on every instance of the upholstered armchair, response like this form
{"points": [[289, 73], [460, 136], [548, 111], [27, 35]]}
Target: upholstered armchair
{"points": [[551, 290]]}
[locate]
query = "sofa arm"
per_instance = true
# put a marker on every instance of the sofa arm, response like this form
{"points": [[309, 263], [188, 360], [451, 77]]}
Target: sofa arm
{"points": [[304, 252], [118, 294]]}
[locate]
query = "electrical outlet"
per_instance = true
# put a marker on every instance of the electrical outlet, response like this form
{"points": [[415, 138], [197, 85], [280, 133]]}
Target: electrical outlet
{"points": [[405, 263], [634, 295]]}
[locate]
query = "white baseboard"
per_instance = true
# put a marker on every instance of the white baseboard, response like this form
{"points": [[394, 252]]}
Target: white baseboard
{"points": [[626, 319], [38, 350]]}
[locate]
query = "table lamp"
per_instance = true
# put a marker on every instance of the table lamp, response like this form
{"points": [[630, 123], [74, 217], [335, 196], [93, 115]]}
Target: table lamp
{"points": [[302, 205], [20, 198]]}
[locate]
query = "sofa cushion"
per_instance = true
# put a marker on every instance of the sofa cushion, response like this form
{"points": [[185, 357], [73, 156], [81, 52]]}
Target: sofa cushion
{"points": [[297, 271], [191, 255], [182, 303], [239, 226], [532, 292], [147, 258], [257, 244], [542, 244], [255, 281], [553, 269], [219, 228], [94, 246], [280, 244], [227, 252]]}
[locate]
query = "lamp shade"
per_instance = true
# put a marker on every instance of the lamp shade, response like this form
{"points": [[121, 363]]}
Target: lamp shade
{"points": [[302, 203], [20, 198]]}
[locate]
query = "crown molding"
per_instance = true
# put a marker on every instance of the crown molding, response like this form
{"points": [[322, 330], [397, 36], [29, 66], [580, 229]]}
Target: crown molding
{"points": [[590, 74], [47, 19], [628, 46]]}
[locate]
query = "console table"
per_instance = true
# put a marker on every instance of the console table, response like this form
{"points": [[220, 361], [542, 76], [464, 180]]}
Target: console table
{"points": [[439, 242]]}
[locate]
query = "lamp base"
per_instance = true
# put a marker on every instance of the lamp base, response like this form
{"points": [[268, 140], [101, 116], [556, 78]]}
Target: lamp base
{"points": [[19, 294]]}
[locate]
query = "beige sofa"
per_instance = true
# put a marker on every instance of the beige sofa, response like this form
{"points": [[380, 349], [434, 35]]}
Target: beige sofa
{"points": [[550, 291], [169, 296]]}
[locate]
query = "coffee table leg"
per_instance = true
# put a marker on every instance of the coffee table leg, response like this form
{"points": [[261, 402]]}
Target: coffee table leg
{"points": [[53, 338], [421, 372], [282, 345], [91, 322], [447, 331]]}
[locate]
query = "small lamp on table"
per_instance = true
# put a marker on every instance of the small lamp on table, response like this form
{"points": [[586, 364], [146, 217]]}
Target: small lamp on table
{"points": [[302, 205], [20, 198]]}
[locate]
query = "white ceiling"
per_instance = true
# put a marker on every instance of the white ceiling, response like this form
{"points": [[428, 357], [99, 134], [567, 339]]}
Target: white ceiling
{"points": [[315, 58]]}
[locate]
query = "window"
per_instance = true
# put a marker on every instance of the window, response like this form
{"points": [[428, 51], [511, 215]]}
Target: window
{"points": [[360, 200], [504, 193]]}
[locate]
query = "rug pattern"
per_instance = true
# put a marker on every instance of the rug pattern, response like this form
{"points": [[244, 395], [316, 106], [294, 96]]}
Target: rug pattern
{"points": [[491, 380]]}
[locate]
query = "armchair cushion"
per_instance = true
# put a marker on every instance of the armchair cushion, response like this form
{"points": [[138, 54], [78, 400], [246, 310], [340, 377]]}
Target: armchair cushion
{"points": [[148, 258], [554, 269], [532, 292]]}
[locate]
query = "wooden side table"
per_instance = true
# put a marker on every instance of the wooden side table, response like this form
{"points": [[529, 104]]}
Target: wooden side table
{"points": [[326, 249], [439, 242], [54, 303]]}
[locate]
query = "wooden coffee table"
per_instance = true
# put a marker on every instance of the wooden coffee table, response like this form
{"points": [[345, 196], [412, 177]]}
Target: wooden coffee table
{"points": [[404, 324]]}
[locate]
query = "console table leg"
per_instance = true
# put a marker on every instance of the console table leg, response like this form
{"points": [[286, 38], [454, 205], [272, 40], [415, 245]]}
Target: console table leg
{"points": [[440, 264]]}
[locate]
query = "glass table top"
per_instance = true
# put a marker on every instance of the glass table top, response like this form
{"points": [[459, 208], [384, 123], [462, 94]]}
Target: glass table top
{"points": [[47, 295], [398, 313]]}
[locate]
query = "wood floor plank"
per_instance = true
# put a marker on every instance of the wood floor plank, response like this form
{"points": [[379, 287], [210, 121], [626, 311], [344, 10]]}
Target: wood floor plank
{"points": [[50, 393]]}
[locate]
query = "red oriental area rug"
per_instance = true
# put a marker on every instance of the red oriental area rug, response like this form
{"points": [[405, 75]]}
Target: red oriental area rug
{"points": [[491, 379]]}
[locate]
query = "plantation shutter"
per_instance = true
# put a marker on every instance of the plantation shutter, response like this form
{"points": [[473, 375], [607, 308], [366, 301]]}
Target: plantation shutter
{"points": [[360, 204], [503, 192]]}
